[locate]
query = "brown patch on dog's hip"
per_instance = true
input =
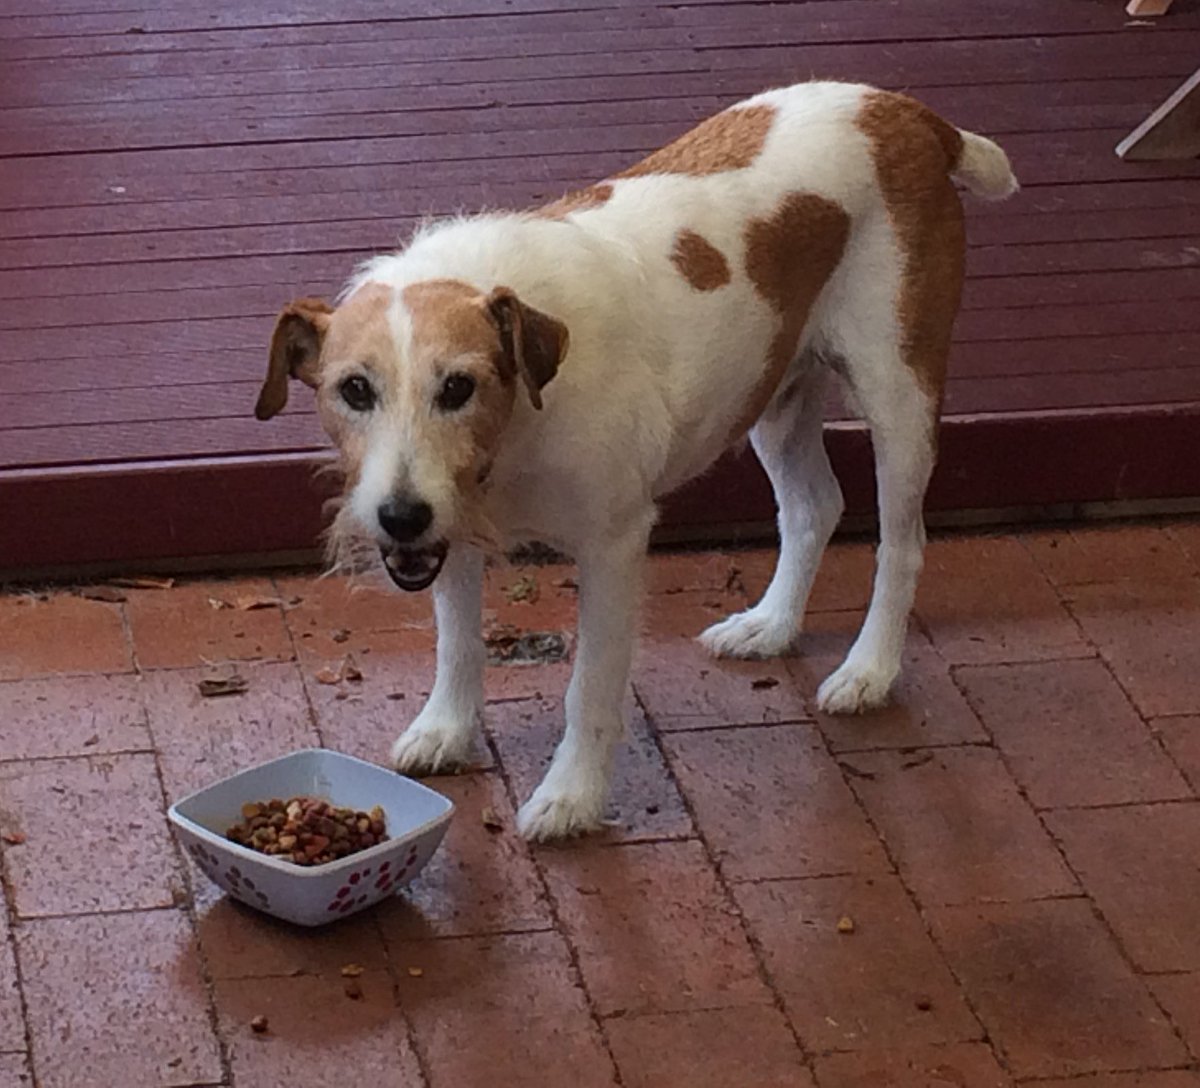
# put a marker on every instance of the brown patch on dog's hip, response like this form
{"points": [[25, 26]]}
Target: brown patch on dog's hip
{"points": [[591, 197], [699, 261]]}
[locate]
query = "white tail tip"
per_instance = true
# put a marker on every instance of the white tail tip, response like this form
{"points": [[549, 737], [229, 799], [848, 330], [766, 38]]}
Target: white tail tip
{"points": [[984, 169]]}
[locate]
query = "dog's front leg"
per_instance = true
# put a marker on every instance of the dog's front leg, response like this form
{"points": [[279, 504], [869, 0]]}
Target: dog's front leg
{"points": [[571, 797], [439, 738]]}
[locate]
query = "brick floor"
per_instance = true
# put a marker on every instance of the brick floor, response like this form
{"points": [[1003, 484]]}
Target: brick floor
{"points": [[1011, 845]]}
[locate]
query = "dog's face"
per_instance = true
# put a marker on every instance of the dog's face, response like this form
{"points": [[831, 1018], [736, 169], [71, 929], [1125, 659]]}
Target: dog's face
{"points": [[416, 388]]}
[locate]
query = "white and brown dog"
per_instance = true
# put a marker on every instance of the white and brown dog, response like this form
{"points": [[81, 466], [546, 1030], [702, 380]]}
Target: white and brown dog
{"points": [[550, 375]]}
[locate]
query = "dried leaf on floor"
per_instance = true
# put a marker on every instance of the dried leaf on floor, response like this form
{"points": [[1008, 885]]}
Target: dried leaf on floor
{"points": [[135, 582], [326, 675], [845, 924], [508, 645], [260, 1025], [340, 635], [352, 970], [108, 594], [251, 603], [764, 682], [13, 838], [490, 820], [524, 589], [218, 604], [350, 669], [416, 972], [232, 684]]}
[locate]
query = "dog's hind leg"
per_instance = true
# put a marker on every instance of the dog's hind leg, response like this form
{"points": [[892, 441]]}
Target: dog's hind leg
{"points": [[439, 738], [570, 799], [789, 442]]}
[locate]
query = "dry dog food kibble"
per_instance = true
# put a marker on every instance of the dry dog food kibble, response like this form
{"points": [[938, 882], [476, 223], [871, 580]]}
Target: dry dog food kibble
{"points": [[307, 830]]}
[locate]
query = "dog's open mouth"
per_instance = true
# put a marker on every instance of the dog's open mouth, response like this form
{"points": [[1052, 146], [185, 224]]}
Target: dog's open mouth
{"points": [[414, 569]]}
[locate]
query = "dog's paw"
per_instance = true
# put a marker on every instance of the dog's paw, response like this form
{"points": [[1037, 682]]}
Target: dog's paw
{"points": [[551, 815], [750, 634], [430, 749], [854, 689]]}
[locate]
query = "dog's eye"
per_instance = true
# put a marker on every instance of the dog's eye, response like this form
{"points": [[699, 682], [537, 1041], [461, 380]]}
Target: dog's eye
{"points": [[356, 391], [455, 392]]}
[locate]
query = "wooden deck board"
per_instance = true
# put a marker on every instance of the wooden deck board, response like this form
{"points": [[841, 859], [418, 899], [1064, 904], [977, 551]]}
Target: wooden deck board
{"points": [[170, 174]]}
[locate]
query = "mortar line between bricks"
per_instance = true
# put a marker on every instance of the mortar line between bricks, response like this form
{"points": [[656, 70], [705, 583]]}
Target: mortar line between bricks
{"points": [[985, 1035], [1040, 816], [410, 1031], [18, 972], [555, 917], [1106, 806], [313, 718], [1090, 1077], [188, 909], [760, 963]]}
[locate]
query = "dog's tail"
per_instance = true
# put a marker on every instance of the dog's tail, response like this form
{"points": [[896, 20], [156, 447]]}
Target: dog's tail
{"points": [[983, 168]]}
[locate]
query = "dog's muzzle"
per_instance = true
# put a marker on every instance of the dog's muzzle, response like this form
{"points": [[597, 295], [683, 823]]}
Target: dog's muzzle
{"points": [[414, 569]]}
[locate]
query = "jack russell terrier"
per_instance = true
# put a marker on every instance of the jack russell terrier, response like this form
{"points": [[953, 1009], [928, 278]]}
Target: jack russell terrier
{"points": [[549, 375]]}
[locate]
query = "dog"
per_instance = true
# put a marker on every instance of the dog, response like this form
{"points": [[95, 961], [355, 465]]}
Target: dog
{"points": [[549, 375]]}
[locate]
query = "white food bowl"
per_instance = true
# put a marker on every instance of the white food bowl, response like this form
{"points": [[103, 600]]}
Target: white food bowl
{"points": [[313, 895]]}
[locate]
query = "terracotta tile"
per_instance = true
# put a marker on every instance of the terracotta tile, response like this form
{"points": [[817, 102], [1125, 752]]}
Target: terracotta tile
{"points": [[90, 984], [316, 1035], [61, 634], [118, 855], [714, 1048], [772, 803], [643, 801], [71, 716], [503, 683], [671, 571], [957, 826], [1150, 634], [1109, 553], [320, 644], [1052, 989], [1187, 535], [480, 881], [328, 614], [683, 687], [242, 943], [506, 1012], [181, 627], [960, 1065], [1070, 735], [14, 1071], [1180, 996], [926, 707], [883, 985], [1129, 861], [652, 928], [843, 580], [681, 616], [983, 600], [1181, 737], [1166, 1078], [538, 598], [201, 739]]}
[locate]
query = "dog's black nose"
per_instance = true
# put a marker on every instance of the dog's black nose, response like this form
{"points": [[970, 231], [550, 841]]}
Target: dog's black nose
{"points": [[403, 520]]}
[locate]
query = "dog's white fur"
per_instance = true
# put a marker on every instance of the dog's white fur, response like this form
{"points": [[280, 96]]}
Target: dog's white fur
{"points": [[646, 398]]}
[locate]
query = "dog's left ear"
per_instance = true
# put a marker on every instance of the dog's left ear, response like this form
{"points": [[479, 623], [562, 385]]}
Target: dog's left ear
{"points": [[295, 350], [534, 343]]}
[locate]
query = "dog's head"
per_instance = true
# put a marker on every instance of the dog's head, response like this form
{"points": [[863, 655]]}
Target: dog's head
{"points": [[416, 387]]}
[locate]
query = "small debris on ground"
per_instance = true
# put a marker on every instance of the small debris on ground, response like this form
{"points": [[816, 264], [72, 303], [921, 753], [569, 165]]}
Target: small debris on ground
{"points": [[233, 683], [142, 582], [352, 988], [218, 604], [13, 838], [109, 594], [524, 589], [251, 603], [394, 695], [924, 1003], [509, 645], [565, 583], [854, 772], [350, 670], [845, 924], [352, 970], [764, 682], [416, 972], [920, 761], [340, 635], [490, 820], [326, 675], [260, 1025], [92, 741]]}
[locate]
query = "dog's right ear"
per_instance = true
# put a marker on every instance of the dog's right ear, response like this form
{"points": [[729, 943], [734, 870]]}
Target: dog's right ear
{"points": [[295, 349]]}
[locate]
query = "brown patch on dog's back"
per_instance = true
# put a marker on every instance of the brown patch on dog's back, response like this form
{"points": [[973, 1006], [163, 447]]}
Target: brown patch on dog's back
{"points": [[591, 197], [914, 152], [699, 261], [730, 140], [790, 255]]}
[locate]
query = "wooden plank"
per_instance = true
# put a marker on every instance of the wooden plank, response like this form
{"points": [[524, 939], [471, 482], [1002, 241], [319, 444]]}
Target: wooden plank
{"points": [[259, 506], [1171, 132]]}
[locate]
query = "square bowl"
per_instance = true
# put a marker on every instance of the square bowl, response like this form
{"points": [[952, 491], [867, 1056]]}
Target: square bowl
{"points": [[416, 818]]}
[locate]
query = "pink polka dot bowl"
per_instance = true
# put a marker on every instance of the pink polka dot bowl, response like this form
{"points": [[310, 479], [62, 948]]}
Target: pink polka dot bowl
{"points": [[417, 818]]}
